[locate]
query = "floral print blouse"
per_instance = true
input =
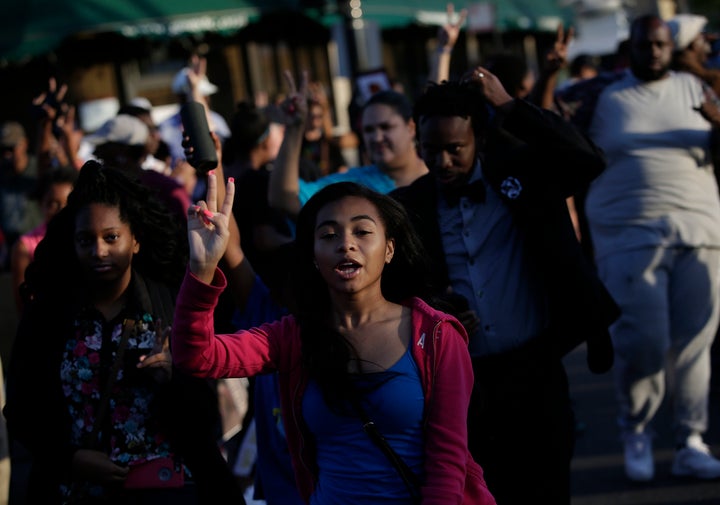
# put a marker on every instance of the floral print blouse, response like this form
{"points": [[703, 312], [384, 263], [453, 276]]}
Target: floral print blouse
{"points": [[129, 431]]}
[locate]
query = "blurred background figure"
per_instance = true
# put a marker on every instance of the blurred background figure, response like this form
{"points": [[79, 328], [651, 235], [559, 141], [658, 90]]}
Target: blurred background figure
{"points": [[581, 68], [321, 153], [52, 192], [158, 152], [19, 213], [693, 48]]}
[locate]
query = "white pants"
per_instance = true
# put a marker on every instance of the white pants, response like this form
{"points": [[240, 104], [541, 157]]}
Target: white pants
{"points": [[670, 305]]}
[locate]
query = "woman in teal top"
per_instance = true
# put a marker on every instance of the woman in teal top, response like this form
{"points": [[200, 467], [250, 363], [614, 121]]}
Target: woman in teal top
{"points": [[388, 136]]}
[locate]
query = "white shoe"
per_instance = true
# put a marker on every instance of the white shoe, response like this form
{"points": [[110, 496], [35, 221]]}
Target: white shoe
{"points": [[696, 460], [639, 464]]}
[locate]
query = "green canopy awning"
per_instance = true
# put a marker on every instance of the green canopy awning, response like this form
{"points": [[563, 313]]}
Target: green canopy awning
{"points": [[33, 27], [537, 15]]}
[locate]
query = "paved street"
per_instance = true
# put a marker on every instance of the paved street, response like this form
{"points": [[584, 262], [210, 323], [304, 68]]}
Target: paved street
{"points": [[598, 474]]}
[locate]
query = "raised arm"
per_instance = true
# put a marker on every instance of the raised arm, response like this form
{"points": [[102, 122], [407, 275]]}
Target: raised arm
{"points": [[317, 92], [447, 38], [284, 185], [196, 348], [238, 270], [543, 94], [208, 230], [57, 138], [579, 159]]}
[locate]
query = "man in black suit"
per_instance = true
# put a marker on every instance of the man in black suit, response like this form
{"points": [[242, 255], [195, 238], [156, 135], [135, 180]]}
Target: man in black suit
{"points": [[493, 215]]}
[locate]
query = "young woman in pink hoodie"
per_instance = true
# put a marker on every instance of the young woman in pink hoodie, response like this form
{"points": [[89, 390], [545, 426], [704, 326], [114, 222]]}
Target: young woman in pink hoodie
{"points": [[361, 345]]}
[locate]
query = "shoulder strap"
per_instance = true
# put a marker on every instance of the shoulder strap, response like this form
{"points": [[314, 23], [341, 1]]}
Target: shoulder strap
{"points": [[408, 476]]}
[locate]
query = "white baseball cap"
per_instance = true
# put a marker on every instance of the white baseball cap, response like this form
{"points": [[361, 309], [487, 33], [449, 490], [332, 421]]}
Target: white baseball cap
{"points": [[122, 129], [685, 28], [181, 86], [141, 102]]}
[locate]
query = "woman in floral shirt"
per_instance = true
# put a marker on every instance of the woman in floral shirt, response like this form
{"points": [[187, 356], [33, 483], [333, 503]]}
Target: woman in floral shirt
{"points": [[94, 337]]}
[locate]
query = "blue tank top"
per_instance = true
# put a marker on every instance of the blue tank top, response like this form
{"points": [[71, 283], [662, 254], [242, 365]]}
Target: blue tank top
{"points": [[352, 469]]}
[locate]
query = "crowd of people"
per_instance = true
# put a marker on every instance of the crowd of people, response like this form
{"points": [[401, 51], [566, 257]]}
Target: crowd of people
{"points": [[291, 328]]}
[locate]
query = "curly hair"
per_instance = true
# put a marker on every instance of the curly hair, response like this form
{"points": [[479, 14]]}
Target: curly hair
{"points": [[163, 256], [454, 98], [326, 353]]}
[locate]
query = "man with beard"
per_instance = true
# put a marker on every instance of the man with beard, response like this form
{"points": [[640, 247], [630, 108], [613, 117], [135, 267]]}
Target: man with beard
{"points": [[492, 214], [654, 219]]}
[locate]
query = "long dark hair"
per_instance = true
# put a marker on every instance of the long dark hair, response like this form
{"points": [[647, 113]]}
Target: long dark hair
{"points": [[163, 256], [326, 354]]}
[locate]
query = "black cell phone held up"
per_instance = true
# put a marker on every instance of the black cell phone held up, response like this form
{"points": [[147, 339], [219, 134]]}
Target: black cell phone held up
{"points": [[203, 158]]}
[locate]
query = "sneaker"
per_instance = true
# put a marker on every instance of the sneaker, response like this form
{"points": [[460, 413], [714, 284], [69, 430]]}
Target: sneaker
{"points": [[639, 464], [696, 460]]}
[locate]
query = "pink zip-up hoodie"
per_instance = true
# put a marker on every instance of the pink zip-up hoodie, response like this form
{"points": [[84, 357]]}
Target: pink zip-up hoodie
{"points": [[438, 346]]}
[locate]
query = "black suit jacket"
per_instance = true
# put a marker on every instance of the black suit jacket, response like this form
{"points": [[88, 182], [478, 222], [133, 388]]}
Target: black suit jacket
{"points": [[534, 160]]}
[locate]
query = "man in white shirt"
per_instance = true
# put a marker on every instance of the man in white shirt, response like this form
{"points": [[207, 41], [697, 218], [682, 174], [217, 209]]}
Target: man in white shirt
{"points": [[654, 218]]}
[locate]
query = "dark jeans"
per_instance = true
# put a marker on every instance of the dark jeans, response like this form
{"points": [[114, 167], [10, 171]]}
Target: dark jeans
{"points": [[521, 426]]}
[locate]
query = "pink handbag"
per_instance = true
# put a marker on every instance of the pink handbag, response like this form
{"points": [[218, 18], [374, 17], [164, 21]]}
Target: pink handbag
{"points": [[156, 473]]}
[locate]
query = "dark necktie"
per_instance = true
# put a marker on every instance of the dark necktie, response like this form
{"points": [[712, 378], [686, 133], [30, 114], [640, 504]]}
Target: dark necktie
{"points": [[475, 191]]}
